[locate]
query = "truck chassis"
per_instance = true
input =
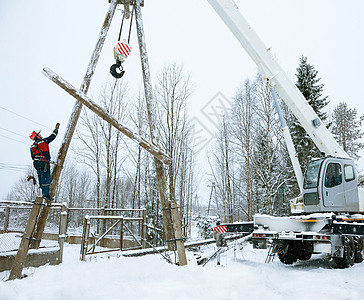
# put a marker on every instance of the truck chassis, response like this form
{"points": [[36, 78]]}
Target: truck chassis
{"points": [[298, 237]]}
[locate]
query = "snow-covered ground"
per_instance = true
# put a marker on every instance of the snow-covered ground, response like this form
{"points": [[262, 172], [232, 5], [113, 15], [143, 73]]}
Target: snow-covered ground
{"points": [[241, 275]]}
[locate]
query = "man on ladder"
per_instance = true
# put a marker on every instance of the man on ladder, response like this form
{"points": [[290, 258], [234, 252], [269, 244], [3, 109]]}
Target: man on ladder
{"points": [[41, 159]]}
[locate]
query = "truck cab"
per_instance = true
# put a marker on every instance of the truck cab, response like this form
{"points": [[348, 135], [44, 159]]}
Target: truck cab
{"points": [[330, 185]]}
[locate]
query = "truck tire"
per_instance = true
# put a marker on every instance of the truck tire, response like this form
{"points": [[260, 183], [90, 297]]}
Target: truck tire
{"points": [[287, 253], [349, 254], [304, 250], [359, 249]]}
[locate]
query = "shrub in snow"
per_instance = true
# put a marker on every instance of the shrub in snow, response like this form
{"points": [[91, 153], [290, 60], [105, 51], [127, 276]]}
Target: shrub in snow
{"points": [[205, 229]]}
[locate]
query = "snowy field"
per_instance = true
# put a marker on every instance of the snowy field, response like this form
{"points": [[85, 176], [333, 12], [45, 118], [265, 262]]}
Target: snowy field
{"points": [[241, 275]]}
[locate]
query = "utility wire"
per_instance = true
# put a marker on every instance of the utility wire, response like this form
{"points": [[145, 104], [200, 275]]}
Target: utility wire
{"points": [[13, 168], [24, 117], [14, 165], [12, 132], [14, 139]]}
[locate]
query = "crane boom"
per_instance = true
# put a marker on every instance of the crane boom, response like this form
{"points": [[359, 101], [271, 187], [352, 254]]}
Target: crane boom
{"points": [[274, 74]]}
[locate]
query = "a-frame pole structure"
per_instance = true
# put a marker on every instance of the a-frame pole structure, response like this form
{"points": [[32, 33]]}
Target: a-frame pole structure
{"points": [[37, 223], [37, 220], [171, 220]]}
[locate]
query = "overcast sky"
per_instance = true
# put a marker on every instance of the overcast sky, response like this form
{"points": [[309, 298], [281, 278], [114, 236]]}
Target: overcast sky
{"points": [[62, 34]]}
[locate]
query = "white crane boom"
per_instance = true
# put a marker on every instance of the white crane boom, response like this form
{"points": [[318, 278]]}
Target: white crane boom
{"points": [[274, 74]]}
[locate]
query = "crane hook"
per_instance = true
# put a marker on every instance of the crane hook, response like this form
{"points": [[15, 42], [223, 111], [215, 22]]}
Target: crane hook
{"points": [[115, 67]]}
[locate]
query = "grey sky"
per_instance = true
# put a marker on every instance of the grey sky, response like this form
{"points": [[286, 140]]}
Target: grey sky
{"points": [[61, 35]]}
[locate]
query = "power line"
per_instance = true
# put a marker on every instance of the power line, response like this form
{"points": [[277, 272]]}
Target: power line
{"points": [[12, 132], [13, 165], [14, 139], [13, 168], [24, 117]]}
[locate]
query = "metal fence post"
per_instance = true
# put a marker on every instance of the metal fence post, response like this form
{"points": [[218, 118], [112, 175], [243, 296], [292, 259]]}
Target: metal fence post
{"points": [[62, 229], [7, 216], [121, 234], [101, 221], [144, 229], [85, 237]]}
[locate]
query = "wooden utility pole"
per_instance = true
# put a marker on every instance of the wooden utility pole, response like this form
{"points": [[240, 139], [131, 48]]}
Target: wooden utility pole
{"points": [[62, 153], [170, 213], [148, 90], [36, 223], [212, 189]]}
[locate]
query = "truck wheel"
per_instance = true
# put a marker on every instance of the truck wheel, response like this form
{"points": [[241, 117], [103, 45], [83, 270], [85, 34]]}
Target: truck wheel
{"points": [[304, 250], [349, 254], [287, 254], [359, 249]]}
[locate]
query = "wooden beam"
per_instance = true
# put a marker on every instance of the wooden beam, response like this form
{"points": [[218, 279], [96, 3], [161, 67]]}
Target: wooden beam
{"points": [[171, 221], [152, 121], [82, 98]]}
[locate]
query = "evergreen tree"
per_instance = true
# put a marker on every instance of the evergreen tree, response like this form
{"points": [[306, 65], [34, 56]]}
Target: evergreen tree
{"points": [[308, 84], [346, 128]]}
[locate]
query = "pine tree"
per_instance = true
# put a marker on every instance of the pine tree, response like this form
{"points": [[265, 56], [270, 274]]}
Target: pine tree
{"points": [[308, 84], [346, 128]]}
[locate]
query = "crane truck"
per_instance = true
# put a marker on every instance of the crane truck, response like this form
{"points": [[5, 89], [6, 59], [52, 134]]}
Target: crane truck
{"points": [[330, 216]]}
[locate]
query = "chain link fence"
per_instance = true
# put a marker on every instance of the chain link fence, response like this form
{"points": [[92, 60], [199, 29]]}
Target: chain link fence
{"points": [[14, 216], [13, 219]]}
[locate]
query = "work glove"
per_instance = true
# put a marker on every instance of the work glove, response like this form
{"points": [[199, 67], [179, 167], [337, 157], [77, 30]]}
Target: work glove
{"points": [[57, 125]]}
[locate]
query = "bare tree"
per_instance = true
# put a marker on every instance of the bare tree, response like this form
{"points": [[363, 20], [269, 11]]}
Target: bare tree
{"points": [[100, 143], [243, 135], [223, 168], [267, 168], [26, 188], [89, 150], [172, 92]]}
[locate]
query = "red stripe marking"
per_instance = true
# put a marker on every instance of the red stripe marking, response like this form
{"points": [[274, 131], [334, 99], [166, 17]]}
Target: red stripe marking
{"points": [[125, 49], [127, 46], [121, 51], [221, 229]]}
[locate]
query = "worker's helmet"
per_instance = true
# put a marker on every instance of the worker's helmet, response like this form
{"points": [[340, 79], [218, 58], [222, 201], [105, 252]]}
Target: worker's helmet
{"points": [[34, 135]]}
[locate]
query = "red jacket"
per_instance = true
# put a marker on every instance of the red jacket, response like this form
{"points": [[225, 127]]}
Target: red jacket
{"points": [[40, 148]]}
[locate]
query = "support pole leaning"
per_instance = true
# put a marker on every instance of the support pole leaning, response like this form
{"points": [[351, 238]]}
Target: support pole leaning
{"points": [[82, 98]]}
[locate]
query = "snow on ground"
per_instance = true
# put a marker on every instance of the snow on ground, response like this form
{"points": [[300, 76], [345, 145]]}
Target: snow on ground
{"points": [[242, 275]]}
